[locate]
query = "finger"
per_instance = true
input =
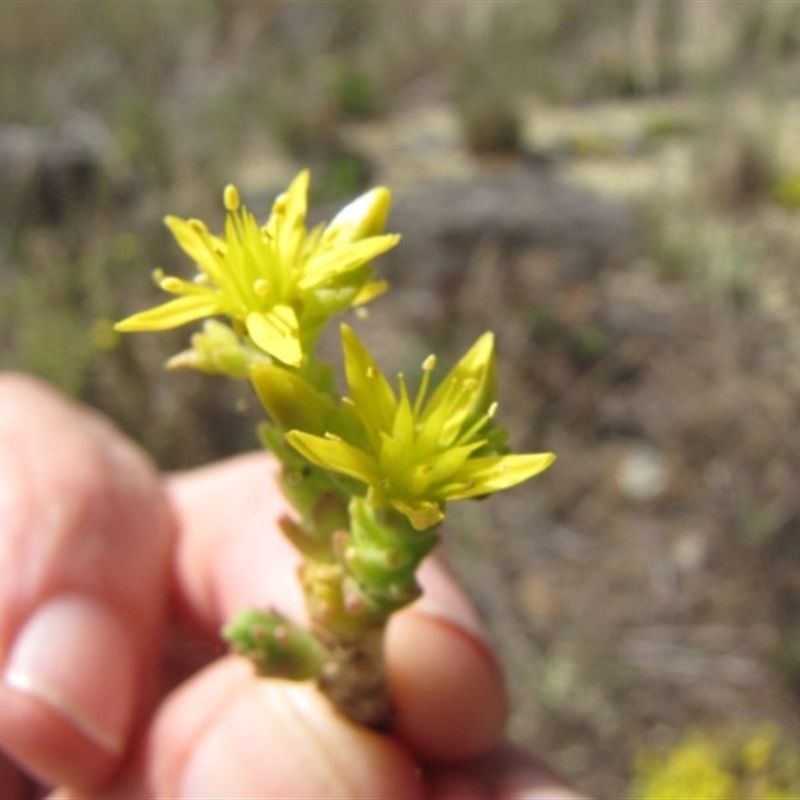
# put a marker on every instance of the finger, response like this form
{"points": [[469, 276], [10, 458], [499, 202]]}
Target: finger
{"points": [[229, 552], [448, 688], [84, 539], [12, 782], [225, 734]]}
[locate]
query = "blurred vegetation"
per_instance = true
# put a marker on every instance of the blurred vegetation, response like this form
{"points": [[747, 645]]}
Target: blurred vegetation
{"points": [[761, 765], [114, 114]]}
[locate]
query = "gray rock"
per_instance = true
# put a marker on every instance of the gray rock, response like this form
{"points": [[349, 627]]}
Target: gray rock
{"points": [[470, 245], [46, 175]]}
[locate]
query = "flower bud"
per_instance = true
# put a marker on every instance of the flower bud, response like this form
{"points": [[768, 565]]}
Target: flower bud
{"points": [[365, 216]]}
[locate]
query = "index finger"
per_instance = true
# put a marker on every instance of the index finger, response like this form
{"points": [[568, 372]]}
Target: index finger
{"points": [[84, 536]]}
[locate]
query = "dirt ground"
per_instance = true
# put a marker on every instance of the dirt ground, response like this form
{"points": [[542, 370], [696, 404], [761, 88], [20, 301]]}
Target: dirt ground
{"points": [[640, 276], [649, 582], [645, 297]]}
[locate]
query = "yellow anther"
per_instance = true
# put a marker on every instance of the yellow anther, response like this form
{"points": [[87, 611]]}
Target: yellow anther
{"points": [[279, 206], [261, 287], [230, 197], [429, 364], [170, 283]]}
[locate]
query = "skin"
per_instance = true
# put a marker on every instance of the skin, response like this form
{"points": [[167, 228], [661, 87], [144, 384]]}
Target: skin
{"points": [[114, 684]]}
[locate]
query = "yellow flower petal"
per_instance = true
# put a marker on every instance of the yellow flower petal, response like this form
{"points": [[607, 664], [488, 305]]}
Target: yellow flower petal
{"points": [[372, 395], [292, 402], [481, 476], [203, 248], [173, 313], [365, 216], [295, 201], [326, 265], [288, 220], [369, 291], [465, 394], [421, 515], [336, 455], [449, 462], [277, 333]]}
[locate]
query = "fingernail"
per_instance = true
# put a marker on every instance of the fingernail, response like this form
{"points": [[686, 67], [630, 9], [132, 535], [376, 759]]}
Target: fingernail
{"points": [[75, 656]]}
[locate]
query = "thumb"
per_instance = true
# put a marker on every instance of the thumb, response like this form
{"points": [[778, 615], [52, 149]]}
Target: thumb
{"points": [[226, 733]]}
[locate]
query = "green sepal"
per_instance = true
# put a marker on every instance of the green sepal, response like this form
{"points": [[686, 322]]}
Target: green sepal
{"points": [[329, 606], [366, 608], [217, 350], [277, 646], [382, 551], [292, 402]]}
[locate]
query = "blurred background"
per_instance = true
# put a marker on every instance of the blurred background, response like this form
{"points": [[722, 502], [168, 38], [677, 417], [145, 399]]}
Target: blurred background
{"points": [[613, 186]]}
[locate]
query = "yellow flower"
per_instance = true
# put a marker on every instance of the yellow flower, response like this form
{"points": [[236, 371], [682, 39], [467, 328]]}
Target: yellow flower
{"points": [[694, 769], [413, 456], [280, 283]]}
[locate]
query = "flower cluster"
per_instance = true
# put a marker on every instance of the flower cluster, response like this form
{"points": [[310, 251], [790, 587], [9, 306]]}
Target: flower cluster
{"points": [[370, 474], [278, 283], [412, 455]]}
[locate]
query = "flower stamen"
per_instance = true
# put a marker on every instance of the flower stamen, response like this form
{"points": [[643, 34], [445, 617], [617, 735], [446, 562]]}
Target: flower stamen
{"points": [[230, 198], [428, 366], [472, 431]]}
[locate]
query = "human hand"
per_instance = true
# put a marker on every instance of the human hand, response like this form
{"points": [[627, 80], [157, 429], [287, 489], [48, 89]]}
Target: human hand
{"points": [[115, 583]]}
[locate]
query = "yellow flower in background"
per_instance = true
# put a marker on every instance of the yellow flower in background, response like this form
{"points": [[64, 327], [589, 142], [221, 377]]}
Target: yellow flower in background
{"points": [[278, 283], [414, 456]]}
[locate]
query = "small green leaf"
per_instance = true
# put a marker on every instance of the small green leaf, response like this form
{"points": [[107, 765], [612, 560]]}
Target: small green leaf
{"points": [[278, 647]]}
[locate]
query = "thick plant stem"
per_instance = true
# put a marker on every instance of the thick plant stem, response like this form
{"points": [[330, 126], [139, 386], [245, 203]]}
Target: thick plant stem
{"points": [[354, 676], [359, 569]]}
